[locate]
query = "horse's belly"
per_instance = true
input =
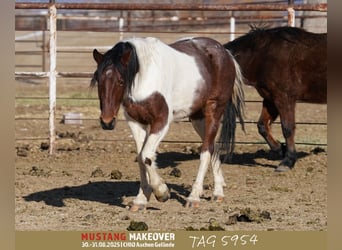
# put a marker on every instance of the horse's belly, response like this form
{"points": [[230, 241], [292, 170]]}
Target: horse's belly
{"points": [[185, 97], [314, 97]]}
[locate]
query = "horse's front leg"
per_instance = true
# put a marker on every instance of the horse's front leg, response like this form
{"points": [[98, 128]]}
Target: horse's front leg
{"points": [[139, 134], [268, 115], [147, 158]]}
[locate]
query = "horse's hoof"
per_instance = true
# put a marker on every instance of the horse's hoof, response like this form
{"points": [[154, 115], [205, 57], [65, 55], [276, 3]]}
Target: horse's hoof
{"points": [[135, 207], [282, 168], [192, 204], [286, 164], [276, 154], [162, 194], [164, 197], [218, 199]]}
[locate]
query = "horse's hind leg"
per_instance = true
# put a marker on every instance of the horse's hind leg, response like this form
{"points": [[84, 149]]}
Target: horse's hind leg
{"points": [[287, 116], [207, 128], [197, 187], [268, 115], [219, 182]]}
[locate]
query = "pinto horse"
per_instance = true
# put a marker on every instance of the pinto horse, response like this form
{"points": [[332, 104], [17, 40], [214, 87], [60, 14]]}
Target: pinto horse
{"points": [[156, 83], [285, 65]]}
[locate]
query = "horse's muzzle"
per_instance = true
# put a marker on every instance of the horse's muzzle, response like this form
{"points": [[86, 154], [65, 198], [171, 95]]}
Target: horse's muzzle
{"points": [[107, 125]]}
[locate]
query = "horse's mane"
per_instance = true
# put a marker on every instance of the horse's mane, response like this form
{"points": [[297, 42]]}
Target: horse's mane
{"points": [[148, 50], [289, 34], [262, 36], [113, 57]]}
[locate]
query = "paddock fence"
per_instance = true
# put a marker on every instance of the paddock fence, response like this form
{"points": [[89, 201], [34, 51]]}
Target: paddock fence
{"points": [[184, 19]]}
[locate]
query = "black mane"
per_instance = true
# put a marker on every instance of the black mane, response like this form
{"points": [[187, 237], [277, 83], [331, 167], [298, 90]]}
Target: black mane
{"points": [[113, 57], [289, 34], [264, 36]]}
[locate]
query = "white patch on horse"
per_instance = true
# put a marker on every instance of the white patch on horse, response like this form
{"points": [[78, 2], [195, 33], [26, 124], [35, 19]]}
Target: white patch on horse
{"points": [[173, 74], [197, 187], [109, 72]]}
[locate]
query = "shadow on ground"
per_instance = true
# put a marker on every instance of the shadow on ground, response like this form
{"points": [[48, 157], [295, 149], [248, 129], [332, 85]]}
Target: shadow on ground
{"points": [[112, 192], [173, 159], [106, 192]]}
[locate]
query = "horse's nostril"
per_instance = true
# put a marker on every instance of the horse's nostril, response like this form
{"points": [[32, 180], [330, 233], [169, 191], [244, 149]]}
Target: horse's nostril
{"points": [[107, 125]]}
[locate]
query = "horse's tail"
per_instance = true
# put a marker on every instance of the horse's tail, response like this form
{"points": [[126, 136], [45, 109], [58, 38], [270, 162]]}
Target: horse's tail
{"points": [[235, 109]]}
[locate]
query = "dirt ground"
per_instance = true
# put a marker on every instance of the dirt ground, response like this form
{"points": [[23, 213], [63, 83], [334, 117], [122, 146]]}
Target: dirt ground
{"points": [[88, 182]]}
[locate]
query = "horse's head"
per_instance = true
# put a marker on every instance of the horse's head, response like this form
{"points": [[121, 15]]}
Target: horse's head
{"points": [[115, 75]]}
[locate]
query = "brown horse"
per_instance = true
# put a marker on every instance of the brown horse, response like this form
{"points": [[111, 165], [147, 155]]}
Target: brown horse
{"points": [[285, 65], [156, 83]]}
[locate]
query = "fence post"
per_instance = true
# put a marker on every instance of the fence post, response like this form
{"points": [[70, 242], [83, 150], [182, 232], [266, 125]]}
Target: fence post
{"points": [[291, 17], [52, 74], [232, 28], [121, 26]]}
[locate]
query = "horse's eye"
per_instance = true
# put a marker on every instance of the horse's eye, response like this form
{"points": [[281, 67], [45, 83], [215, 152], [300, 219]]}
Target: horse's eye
{"points": [[121, 82]]}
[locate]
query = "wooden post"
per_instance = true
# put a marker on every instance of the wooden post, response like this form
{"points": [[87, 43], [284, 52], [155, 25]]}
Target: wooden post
{"points": [[121, 26], [232, 28], [291, 16], [52, 74]]}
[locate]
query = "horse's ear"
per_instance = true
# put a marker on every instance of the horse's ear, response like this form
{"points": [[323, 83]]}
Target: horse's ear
{"points": [[125, 57], [98, 57]]}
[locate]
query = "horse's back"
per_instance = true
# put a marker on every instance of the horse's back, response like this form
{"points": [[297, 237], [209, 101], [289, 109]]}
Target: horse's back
{"points": [[211, 58], [170, 72], [203, 46]]}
